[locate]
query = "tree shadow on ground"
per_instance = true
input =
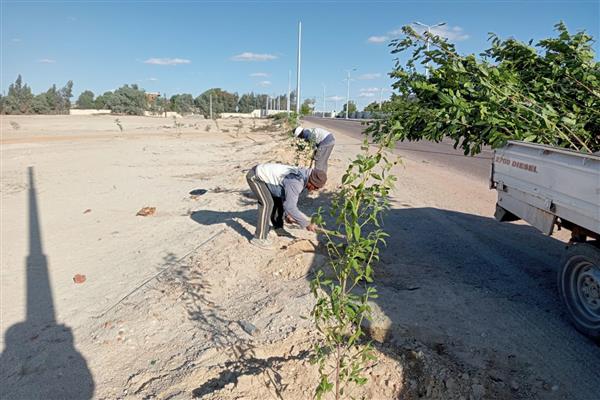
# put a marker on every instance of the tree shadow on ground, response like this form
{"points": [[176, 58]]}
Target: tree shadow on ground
{"points": [[40, 360], [249, 366]]}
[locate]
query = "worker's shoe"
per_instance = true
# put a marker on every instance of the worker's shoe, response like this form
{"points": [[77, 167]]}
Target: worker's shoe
{"points": [[283, 233], [264, 244]]}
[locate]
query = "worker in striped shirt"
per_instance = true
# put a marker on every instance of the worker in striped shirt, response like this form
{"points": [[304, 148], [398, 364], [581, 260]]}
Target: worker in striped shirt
{"points": [[322, 139], [277, 188]]}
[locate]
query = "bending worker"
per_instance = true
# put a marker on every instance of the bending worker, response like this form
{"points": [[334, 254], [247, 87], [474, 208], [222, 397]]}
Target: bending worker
{"points": [[279, 184], [322, 139]]}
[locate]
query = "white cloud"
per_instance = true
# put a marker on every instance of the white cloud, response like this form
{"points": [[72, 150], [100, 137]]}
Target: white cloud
{"points": [[335, 98], [370, 90], [46, 61], [248, 56], [264, 83], [452, 33], [366, 94], [153, 79], [259, 75], [167, 61], [16, 40], [377, 39], [369, 76]]}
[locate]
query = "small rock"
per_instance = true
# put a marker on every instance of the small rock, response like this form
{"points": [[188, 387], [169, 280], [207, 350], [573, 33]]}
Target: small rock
{"points": [[78, 278], [478, 391], [249, 328], [89, 210], [146, 211], [514, 385], [554, 388]]}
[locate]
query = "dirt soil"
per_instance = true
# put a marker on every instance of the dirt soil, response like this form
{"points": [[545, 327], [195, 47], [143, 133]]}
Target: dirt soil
{"points": [[178, 305]]}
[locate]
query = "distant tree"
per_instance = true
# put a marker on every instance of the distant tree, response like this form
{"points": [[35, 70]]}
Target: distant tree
{"points": [[65, 95], [222, 101], [182, 103], [19, 98], [40, 104], [86, 100], [351, 108], [101, 101], [307, 107], [248, 102], [127, 99]]}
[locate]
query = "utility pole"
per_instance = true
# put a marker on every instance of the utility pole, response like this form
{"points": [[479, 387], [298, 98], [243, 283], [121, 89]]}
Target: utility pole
{"points": [[348, 91], [427, 39], [210, 104], [323, 101], [298, 67], [380, 98], [289, 89]]}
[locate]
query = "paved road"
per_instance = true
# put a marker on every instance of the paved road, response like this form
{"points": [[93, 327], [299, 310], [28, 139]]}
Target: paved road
{"points": [[442, 153]]}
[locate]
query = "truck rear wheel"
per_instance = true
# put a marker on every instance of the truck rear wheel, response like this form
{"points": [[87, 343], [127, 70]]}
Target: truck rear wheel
{"points": [[579, 287]]}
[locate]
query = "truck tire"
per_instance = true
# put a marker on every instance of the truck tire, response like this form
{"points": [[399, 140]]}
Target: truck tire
{"points": [[579, 287]]}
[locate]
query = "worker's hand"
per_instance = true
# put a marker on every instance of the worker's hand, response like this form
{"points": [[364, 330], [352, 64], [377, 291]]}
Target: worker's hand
{"points": [[290, 220], [312, 227]]}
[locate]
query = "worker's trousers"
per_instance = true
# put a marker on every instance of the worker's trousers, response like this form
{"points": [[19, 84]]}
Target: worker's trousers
{"points": [[322, 156], [269, 207]]}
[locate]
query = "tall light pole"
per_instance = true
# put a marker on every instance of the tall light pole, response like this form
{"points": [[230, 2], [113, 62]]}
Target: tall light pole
{"points": [[348, 91], [323, 102], [427, 38], [289, 89], [298, 68]]}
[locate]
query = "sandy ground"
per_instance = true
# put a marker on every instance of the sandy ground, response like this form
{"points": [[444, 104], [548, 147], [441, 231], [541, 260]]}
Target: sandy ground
{"points": [[179, 305]]}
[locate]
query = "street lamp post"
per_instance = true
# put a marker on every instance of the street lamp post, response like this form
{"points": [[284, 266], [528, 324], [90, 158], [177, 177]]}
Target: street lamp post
{"points": [[348, 90], [323, 102], [427, 38], [298, 68]]}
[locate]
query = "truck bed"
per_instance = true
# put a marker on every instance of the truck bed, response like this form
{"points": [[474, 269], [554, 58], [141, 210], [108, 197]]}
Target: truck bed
{"points": [[542, 184]]}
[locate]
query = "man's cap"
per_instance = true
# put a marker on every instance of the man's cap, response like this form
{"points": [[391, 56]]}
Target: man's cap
{"points": [[317, 178], [298, 131]]}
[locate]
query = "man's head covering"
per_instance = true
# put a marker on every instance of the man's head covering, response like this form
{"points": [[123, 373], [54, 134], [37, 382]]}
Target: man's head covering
{"points": [[298, 131], [317, 178]]}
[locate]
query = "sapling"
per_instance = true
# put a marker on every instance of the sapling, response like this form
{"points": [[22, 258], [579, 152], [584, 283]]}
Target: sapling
{"points": [[177, 126], [118, 122], [343, 291]]}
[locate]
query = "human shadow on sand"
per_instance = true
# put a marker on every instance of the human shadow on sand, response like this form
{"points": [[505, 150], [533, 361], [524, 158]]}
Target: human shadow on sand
{"points": [[230, 218], [40, 360]]}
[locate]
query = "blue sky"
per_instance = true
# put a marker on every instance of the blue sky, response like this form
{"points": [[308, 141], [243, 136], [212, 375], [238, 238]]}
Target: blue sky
{"points": [[190, 46]]}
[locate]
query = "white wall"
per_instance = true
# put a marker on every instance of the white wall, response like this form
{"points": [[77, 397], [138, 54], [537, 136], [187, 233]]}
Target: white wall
{"points": [[77, 111]]}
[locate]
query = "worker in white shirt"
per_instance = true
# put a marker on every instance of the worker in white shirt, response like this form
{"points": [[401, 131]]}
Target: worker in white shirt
{"points": [[282, 183]]}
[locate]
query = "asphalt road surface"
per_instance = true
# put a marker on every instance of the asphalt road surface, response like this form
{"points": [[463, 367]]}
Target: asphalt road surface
{"points": [[443, 153]]}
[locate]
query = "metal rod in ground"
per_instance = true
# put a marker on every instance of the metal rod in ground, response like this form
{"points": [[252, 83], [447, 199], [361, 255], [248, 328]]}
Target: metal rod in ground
{"points": [[141, 285]]}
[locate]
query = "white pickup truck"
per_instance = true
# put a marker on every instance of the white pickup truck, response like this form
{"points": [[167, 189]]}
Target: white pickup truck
{"points": [[551, 187]]}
